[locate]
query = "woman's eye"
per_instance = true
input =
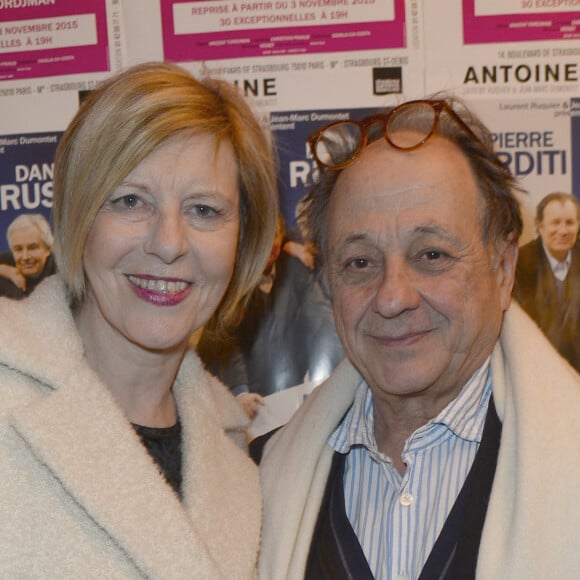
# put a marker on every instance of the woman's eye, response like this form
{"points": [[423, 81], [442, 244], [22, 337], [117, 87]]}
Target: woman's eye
{"points": [[129, 201], [204, 210]]}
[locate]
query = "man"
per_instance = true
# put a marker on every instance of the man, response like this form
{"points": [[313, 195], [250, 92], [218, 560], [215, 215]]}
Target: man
{"points": [[548, 274], [30, 259], [447, 445]]}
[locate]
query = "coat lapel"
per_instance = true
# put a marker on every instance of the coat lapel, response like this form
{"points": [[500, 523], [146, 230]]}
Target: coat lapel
{"points": [[213, 462], [83, 438], [299, 453]]}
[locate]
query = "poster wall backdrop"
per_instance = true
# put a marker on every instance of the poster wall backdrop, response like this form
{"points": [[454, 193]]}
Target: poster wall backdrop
{"points": [[299, 62], [50, 51]]}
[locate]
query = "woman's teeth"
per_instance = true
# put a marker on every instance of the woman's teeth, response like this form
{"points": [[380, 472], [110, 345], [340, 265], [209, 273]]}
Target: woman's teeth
{"points": [[162, 286]]}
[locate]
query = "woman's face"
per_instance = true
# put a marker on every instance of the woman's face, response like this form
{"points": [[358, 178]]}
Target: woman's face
{"points": [[161, 252]]}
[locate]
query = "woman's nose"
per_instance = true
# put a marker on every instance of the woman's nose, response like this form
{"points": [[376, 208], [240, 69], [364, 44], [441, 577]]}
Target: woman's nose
{"points": [[167, 238]]}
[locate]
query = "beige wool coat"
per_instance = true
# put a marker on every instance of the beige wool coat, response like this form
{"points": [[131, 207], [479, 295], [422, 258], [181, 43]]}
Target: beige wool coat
{"points": [[532, 526], [79, 495]]}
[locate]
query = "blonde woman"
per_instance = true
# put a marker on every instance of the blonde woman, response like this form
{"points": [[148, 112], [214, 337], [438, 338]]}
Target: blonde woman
{"points": [[120, 456]]}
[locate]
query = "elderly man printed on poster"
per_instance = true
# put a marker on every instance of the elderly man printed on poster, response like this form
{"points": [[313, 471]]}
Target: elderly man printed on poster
{"points": [[30, 258], [447, 445], [548, 274]]}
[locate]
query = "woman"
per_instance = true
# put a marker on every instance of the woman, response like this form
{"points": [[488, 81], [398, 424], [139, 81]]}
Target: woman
{"points": [[119, 454]]}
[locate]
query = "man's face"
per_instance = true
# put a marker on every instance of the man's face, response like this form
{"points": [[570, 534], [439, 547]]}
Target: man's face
{"points": [[29, 251], [418, 299], [559, 228]]}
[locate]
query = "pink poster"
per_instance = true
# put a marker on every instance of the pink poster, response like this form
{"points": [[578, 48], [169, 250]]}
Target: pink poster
{"points": [[52, 37], [221, 29], [520, 20]]}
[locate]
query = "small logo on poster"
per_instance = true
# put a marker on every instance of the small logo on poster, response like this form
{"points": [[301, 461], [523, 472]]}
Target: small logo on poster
{"points": [[387, 80]]}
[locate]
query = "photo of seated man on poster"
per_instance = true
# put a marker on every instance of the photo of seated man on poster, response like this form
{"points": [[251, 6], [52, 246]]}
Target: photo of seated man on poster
{"points": [[30, 258]]}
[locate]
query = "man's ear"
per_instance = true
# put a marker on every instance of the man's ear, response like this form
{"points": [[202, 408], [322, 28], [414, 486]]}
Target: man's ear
{"points": [[507, 258]]}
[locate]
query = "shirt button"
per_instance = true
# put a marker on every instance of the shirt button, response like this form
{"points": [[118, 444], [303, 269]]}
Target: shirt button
{"points": [[406, 500]]}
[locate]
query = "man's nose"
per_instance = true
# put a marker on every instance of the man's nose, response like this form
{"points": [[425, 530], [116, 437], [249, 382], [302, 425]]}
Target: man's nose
{"points": [[396, 291]]}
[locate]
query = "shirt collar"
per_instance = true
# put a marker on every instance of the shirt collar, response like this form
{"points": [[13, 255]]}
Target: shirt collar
{"points": [[559, 269], [464, 416]]}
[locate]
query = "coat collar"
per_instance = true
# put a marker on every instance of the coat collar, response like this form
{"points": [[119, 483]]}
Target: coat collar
{"points": [[102, 466]]}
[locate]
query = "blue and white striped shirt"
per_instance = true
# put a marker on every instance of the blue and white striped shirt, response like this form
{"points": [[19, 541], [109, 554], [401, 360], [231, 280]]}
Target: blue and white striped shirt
{"points": [[397, 518]]}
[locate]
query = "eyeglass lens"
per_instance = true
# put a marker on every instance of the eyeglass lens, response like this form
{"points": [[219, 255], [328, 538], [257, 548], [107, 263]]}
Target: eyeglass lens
{"points": [[410, 125], [407, 127], [338, 144]]}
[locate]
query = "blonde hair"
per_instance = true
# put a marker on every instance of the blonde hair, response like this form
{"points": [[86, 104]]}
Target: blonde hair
{"points": [[126, 118]]}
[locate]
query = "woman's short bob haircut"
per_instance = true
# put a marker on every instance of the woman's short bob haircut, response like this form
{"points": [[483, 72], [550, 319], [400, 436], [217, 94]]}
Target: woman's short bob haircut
{"points": [[124, 120]]}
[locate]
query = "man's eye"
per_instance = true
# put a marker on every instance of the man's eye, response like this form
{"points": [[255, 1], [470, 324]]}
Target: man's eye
{"points": [[357, 264], [434, 260], [431, 255]]}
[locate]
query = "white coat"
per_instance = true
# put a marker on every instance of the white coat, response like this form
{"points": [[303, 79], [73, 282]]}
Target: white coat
{"points": [[80, 497]]}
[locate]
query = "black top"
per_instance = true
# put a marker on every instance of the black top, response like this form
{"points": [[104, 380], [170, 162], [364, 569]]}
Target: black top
{"points": [[164, 446]]}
